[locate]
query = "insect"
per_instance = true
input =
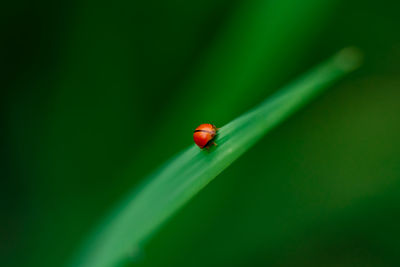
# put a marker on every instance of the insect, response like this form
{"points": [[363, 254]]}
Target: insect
{"points": [[204, 135]]}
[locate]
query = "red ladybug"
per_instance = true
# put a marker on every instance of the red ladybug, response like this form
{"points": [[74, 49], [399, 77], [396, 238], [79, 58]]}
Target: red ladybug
{"points": [[204, 135]]}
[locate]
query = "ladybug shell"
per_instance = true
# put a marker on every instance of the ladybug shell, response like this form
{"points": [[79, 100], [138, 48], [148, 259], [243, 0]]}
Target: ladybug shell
{"points": [[204, 134]]}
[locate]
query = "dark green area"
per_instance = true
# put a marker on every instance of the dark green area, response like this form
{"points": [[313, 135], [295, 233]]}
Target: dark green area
{"points": [[95, 96]]}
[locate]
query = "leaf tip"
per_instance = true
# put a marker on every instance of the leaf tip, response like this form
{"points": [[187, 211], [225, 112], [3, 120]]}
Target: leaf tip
{"points": [[349, 58]]}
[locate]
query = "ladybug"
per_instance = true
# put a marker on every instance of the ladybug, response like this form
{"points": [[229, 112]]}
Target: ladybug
{"points": [[204, 135]]}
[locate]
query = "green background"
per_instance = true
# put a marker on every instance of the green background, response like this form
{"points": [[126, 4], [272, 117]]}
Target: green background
{"points": [[96, 95]]}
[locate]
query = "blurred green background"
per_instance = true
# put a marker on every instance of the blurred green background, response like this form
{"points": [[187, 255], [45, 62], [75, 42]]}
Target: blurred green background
{"points": [[96, 95]]}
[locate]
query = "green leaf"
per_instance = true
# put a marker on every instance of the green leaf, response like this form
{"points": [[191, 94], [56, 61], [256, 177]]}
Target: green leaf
{"points": [[135, 220]]}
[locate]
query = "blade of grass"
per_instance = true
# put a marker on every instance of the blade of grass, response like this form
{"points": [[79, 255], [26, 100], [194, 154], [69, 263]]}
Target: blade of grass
{"points": [[136, 219]]}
